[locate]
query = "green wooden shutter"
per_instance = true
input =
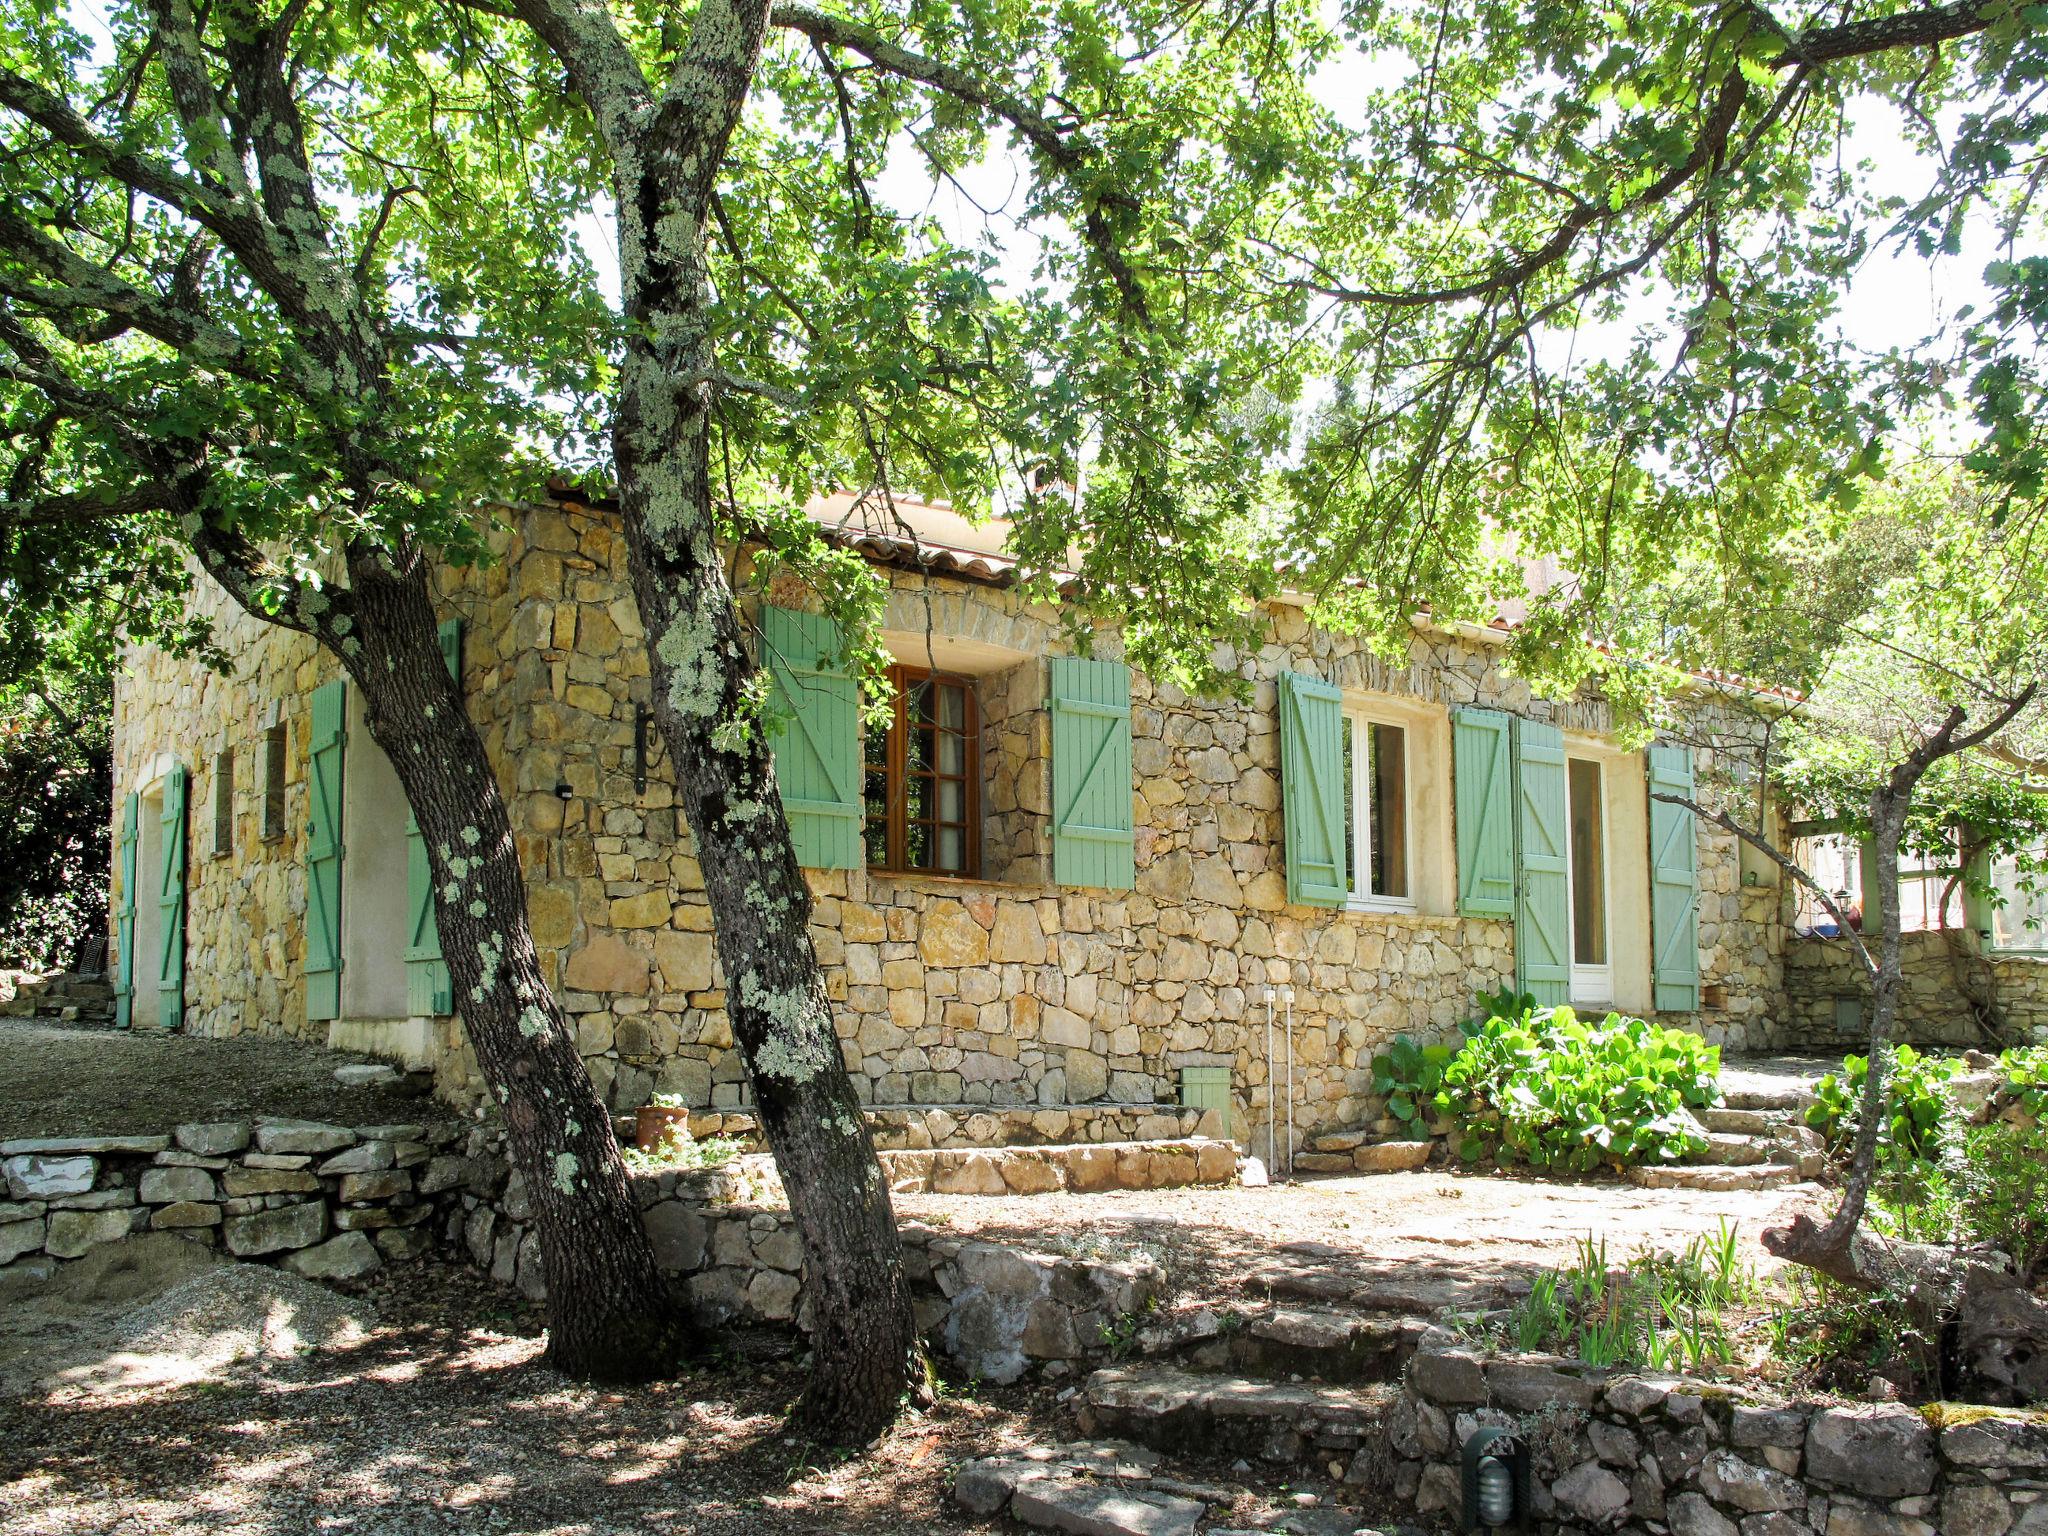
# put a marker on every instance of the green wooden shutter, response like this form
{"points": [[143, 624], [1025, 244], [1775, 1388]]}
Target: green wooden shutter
{"points": [[816, 737], [1674, 883], [170, 900], [1543, 958], [427, 989], [124, 914], [1484, 775], [1091, 774], [1312, 790], [326, 749]]}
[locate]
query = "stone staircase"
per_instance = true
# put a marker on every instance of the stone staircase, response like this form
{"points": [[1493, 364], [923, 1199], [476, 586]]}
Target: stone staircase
{"points": [[1757, 1139], [61, 995], [1302, 1369]]}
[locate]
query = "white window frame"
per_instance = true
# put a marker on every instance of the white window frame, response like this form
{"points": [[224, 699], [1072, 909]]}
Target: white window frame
{"points": [[1590, 983], [1361, 721]]}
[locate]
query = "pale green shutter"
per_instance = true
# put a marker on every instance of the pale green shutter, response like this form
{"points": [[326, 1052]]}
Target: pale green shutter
{"points": [[124, 914], [1091, 774], [1484, 793], [1543, 960], [326, 749], [1312, 790], [427, 990], [815, 737], [170, 948], [1674, 883]]}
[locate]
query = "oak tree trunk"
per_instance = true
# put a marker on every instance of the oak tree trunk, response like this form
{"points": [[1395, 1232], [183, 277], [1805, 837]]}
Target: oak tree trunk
{"points": [[612, 1316], [864, 1342], [865, 1350]]}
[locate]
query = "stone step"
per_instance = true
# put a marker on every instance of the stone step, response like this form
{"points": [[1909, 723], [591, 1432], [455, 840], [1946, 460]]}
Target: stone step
{"points": [[1726, 1150], [1284, 1422], [1321, 1343], [1746, 1122], [1077, 1167], [1788, 1097], [1704, 1176], [1321, 1274]]}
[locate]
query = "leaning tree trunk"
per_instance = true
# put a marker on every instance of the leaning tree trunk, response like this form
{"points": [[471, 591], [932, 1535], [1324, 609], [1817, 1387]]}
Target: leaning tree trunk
{"points": [[862, 1334], [1828, 1248], [865, 1353], [611, 1315]]}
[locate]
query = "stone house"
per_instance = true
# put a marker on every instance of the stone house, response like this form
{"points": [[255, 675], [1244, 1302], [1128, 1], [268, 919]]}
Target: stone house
{"points": [[1055, 899]]}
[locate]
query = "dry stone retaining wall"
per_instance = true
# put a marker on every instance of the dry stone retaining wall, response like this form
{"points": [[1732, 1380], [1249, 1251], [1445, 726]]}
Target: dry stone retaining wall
{"points": [[1643, 1455], [1819, 972], [330, 1202]]}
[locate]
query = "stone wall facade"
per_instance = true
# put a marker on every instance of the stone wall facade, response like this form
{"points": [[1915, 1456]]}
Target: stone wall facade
{"points": [[1642, 1455], [332, 1202], [997, 1001], [1827, 995]]}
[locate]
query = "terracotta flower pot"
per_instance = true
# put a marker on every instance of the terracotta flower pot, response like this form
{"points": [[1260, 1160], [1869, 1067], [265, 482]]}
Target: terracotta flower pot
{"points": [[654, 1123]]}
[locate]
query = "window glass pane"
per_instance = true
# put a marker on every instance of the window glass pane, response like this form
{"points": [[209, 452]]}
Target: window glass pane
{"points": [[918, 701], [952, 800], [952, 753], [918, 749], [1389, 811], [1588, 866], [1353, 832], [2021, 922], [952, 850], [953, 706], [917, 798], [875, 828], [917, 846]]}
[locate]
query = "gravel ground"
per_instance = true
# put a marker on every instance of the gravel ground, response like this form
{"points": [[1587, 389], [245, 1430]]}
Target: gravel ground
{"points": [[67, 1080], [1469, 1225], [442, 1420]]}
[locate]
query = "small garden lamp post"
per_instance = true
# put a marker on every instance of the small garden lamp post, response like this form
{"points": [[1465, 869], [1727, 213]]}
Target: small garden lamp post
{"points": [[1495, 1475]]}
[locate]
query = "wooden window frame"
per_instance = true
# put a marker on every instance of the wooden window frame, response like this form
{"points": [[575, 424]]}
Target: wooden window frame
{"points": [[896, 768], [1364, 829]]}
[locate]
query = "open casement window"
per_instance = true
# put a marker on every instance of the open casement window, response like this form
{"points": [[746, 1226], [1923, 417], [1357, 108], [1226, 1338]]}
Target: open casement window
{"points": [[1543, 939], [923, 777], [326, 754], [815, 736], [1093, 841], [1483, 775], [124, 910], [1674, 883], [1376, 811], [427, 988], [1315, 791]]}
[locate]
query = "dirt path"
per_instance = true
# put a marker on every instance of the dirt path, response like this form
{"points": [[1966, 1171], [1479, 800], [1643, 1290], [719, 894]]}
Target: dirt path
{"points": [[63, 1080], [1477, 1227]]}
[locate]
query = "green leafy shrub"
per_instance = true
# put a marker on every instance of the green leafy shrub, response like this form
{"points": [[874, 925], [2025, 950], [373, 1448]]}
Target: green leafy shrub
{"points": [[1409, 1076], [1916, 1103], [2026, 1074], [1548, 1088]]}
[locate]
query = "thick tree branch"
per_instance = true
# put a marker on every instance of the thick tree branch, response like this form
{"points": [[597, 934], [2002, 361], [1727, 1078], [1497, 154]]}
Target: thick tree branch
{"points": [[1879, 34], [1791, 867]]}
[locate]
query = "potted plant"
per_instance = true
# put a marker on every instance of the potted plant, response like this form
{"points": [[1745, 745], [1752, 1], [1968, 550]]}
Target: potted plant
{"points": [[662, 1123]]}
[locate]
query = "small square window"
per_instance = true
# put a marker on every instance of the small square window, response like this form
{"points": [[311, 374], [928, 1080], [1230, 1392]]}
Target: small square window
{"points": [[274, 743], [223, 802], [1376, 809]]}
